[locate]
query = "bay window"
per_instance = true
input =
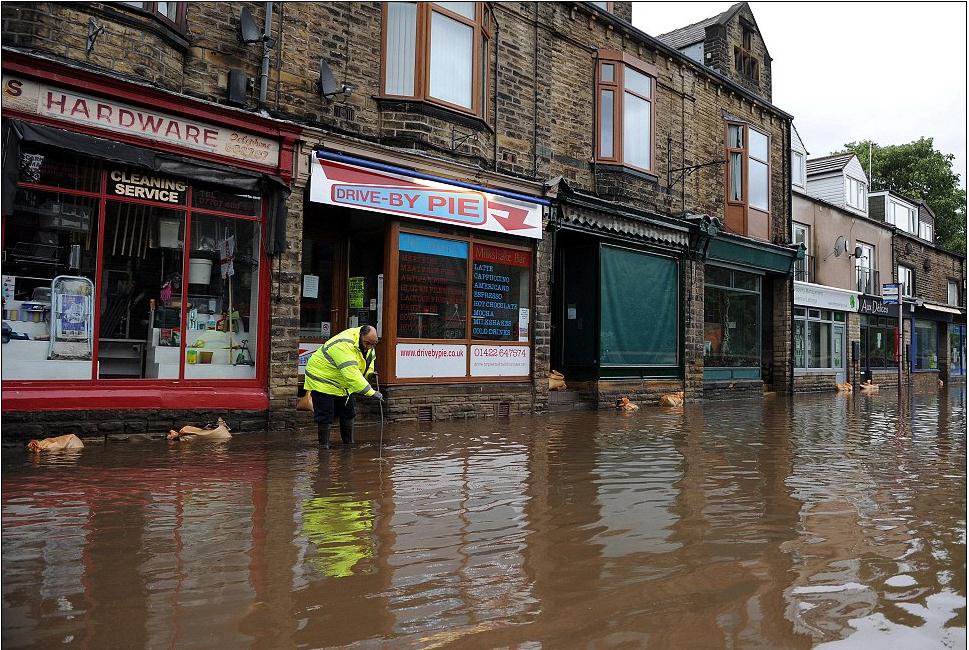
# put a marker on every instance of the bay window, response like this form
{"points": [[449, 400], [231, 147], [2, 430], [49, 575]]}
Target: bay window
{"points": [[437, 52], [625, 92], [748, 181]]}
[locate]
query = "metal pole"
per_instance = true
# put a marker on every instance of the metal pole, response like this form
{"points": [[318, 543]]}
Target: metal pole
{"points": [[901, 347], [266, 36]]}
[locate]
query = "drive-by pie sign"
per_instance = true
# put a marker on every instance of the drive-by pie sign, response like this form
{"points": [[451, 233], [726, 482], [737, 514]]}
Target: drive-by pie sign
{"points": [[339, 183]]}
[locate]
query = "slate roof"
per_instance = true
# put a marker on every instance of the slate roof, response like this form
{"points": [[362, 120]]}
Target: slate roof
{"points": [[825, 164], [684, 36]]}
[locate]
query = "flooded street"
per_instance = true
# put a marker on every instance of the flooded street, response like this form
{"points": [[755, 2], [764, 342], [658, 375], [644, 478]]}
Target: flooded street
{"points": [[782, 523]]}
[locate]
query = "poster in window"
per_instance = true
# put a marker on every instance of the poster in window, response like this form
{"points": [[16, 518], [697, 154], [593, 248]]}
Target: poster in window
{"points": [[356, 288], [432, 288], [499, 294]]}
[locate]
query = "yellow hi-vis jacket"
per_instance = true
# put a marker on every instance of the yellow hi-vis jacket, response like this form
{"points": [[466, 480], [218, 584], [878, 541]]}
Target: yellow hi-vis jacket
{"points": [[339, 367]]}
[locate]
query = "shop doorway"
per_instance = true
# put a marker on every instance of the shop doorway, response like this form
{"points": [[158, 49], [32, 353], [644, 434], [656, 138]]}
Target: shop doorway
{"points": [[342, 275]]}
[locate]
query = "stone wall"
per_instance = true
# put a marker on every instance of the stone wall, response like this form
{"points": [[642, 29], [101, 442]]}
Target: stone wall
{"points": [[733, 389], [931, 266], [153, 423], [815, 382]]}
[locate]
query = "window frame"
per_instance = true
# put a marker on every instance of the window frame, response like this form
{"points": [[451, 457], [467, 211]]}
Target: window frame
{"points": [[952, 291], [857, 189], [258, 348], [745, 63], [619, 60], [908, 283], [480, 57], [799, 174], [391, 315], [180, 24], [744, 204], [911, 220], [929, 231]]}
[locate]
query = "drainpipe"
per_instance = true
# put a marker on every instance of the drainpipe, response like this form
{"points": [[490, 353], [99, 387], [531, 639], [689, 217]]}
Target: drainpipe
{"points": [[788, 221], [264, 77]]}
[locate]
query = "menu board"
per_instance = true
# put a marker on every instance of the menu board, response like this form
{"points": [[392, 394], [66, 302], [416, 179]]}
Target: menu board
{"points": [[432, 288], [500, 281]]}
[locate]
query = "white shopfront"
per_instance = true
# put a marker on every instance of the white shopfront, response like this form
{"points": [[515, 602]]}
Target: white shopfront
{"points": [[820, 328]]}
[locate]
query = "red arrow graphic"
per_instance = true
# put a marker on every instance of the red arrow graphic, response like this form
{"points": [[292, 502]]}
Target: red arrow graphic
{"points": [[510, 217]]}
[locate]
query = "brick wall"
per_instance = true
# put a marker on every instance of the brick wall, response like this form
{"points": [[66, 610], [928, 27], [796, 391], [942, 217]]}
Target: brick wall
{"points": [[154, 423], [932, 267]]}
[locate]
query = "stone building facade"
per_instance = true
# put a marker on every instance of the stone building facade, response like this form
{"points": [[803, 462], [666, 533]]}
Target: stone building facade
{"points": [[530, 132]]}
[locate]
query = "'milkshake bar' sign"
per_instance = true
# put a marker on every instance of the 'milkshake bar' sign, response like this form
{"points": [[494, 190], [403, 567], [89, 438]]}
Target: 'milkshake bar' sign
{"points": [[29, 96]]}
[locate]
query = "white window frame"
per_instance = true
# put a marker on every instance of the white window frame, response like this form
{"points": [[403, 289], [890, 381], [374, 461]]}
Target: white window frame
{"points": [[926, 231], [906, 278], [952, 293], [799, 170], [856, 193], [909, 225]]}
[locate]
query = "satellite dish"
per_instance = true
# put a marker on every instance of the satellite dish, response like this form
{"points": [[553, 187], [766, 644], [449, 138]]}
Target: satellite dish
{"points": [[840, 246], [249, 32], [327, 85]]}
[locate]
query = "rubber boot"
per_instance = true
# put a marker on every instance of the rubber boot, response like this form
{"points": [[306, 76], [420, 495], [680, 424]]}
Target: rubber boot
{"points": [[346, 431], [323, 434]]}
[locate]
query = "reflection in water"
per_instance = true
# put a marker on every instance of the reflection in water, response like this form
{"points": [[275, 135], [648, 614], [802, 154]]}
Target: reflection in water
{"points": [[781, 524]]}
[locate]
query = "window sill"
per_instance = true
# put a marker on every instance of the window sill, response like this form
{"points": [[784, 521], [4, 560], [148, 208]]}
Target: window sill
{"points": [[625, 169], [141, 19], [431, 109]]}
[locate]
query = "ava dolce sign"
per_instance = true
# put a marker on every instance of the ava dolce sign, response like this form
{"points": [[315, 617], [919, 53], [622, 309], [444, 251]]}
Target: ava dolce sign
{"points": [[875, 307], [49, 101], [813, 295]]}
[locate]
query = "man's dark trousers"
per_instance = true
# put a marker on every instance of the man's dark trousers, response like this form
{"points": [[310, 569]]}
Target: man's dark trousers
{"points": [[325, 408]]}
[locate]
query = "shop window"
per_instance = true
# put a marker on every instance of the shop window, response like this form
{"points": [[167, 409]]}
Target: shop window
{"points": [[878, 342], [748, 181], [500, 291], [440, 280], [926, 346], [957, 349], [818, 339], [636, 337], [110, 293], [49, 235], [625, 91], [437, 52], [223, 298], [731, 328], [433, 288]]}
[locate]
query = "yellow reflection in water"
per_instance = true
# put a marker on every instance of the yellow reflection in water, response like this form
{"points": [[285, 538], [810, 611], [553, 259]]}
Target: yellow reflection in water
{"points": [[339, 526]]}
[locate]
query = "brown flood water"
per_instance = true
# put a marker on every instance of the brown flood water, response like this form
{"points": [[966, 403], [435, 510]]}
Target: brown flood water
{"points": [[781, 524]]}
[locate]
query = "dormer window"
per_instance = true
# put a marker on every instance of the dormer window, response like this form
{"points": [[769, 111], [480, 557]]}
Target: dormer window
{"points": [[926, 231], [902, 217], [744, 61], [857, 194]]}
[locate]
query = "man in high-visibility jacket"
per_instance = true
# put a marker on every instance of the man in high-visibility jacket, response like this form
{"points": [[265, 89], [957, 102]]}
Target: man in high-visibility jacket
{"points": [[336, 372]]}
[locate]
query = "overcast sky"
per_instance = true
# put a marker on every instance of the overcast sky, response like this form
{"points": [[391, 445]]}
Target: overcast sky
{"points": [[891, 72]]}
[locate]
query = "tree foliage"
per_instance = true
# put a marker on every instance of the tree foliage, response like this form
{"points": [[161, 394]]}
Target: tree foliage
{"points": [[920, 172]]}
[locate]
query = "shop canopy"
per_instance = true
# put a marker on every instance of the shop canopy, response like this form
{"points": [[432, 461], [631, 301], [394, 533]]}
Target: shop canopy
{"points": [[271, 187]]}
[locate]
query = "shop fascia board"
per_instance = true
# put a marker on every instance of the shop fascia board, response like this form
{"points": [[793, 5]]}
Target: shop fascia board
{"points": [[313, 140], [568, 196], [732, 248], [98, 81]]}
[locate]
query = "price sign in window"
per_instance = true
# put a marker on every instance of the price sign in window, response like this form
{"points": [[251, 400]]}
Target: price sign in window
{"points": [[499, 291], [433, 288]]}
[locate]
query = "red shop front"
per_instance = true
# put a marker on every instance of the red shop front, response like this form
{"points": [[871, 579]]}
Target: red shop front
{"points": [[138, 228]]}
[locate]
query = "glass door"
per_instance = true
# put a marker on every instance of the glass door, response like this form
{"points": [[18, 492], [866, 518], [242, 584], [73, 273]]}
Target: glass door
{"points": [[837, 351]]}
